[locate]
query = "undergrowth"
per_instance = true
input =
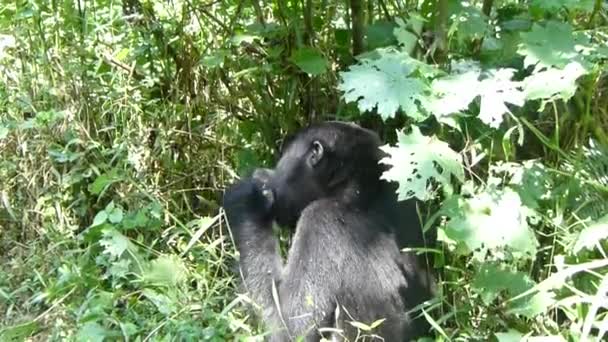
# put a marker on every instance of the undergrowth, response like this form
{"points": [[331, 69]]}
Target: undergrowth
{"points": [[121, 123]]}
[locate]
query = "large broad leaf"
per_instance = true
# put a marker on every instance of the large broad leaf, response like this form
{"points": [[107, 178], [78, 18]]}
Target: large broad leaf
{"points": [[493, 220], [549, 45], [496, 90], [455, 92], [309, 60], [592, 235], [385, 83], [417, 160], [552, 84]]}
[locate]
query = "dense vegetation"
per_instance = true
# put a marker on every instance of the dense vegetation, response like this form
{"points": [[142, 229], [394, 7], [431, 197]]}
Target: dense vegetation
{"points": [[122, 121]]}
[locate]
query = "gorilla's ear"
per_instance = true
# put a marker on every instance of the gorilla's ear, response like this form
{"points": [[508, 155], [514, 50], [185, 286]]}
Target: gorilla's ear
{"points": [[316, 153]]}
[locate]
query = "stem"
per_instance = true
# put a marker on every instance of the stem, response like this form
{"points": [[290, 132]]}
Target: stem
{"points": [[358, 25]]}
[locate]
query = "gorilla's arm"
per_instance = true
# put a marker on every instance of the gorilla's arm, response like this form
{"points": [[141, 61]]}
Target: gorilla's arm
{"points": [[303, 296]]}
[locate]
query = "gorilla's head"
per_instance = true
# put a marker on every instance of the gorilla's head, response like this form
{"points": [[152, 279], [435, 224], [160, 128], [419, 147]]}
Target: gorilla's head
{"points": [[331, 159]]}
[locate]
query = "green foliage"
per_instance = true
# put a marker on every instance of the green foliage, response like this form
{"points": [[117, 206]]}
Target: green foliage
{"points": [[385, 83], [121, 122], [423, 158]]}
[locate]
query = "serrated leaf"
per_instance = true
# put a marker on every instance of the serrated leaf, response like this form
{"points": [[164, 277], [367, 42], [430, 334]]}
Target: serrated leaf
{"points": [[166, 270], [492, 220], [114, 243], [592, 235], [540, 46], [552, 84], [496, 90], [455, 92], [310, 60], [416, 160], [385, 84]]}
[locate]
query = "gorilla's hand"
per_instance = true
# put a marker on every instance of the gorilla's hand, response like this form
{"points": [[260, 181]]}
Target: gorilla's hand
{"points": [[251, 198]]}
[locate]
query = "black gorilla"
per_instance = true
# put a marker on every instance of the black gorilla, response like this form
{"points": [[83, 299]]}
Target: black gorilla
{"points": [[345, 263]]}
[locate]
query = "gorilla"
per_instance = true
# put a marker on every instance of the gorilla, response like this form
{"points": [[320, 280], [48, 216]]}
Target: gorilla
{"points": [[345, 263]]}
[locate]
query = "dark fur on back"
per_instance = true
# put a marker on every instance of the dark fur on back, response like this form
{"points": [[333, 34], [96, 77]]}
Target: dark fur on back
{"points": [[345, 262]]}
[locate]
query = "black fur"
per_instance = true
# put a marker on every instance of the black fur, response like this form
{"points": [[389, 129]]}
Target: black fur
{"points": [[345, 262]]}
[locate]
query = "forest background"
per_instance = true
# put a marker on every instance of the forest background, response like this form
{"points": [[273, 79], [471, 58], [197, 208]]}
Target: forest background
{"points": [[122, 121]]}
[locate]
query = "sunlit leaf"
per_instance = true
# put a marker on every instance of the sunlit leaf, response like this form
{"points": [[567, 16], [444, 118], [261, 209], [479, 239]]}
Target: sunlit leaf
{"points": [[455, 92], [592, 235], [552, 84], [416, 160], [492, 220], [385, 84]]}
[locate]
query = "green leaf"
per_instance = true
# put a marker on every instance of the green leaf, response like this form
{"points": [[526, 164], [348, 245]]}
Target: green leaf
{"points": [[166, 270], [509, 336], [531, 307], [380, 34], [492, 220], [455, 92], [385, 84], [3, 132], [115, 213], [492, 279], [114, 243], [214, 59], [468, 22], [310, 60], [416, 160], [163, 303], [135, 220], [496, 90], [540, 46], [103, 181], [552, 84], [100, 218], [92, 332], [407, 32], [19, 332], [592, 235]]}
